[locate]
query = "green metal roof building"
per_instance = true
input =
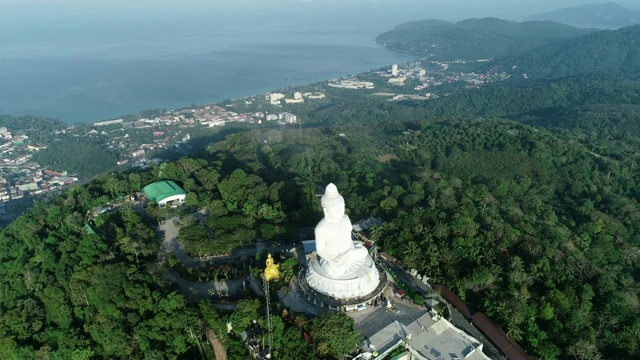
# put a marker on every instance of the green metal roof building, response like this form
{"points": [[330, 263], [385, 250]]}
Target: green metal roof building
{"points": [[164, 191]]}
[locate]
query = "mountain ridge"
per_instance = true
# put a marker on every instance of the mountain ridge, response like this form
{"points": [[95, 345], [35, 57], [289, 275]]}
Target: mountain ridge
{"points": [[476, 38], [608, 15]]}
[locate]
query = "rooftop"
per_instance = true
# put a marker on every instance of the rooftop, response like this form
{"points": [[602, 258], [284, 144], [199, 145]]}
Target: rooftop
{"points": [[159, 190], [428, 338], [444, 341], [366, 224]]}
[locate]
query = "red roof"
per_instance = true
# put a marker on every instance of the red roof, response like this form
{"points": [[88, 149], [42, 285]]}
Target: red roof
{"points": [[497, 336], [491, 330], [454, 300]]}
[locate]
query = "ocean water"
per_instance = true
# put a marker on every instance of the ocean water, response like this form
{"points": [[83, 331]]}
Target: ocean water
{"points": [[80, 71]]}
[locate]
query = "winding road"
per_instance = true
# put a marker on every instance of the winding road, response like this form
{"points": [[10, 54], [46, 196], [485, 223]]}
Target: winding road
{"points": [[192, 290]]}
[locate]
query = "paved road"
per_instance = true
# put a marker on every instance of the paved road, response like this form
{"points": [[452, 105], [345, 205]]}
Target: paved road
{"points": [[194, 290], [170, 243]]}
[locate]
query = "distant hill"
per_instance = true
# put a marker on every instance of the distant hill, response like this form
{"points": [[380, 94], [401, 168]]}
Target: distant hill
{"points": [[604, 16], [476, 38], [608, 51], [422, 23]]}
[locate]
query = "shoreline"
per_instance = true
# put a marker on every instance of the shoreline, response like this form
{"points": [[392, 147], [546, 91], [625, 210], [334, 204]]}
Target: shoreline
{"points": [[219, 83]]}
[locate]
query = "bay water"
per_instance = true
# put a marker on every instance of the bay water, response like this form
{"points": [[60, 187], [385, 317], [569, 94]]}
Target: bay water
{"points": [[81, 71]]}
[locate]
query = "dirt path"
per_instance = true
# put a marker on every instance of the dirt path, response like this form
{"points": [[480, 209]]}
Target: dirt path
{"points": [[219, 350]]}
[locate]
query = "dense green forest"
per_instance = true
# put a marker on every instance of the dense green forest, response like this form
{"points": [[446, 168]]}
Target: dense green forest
{"points": [[610, 51], [82, 286], [532, 220], [29, 124], [473, 39], [538, 232], [79, 155]]}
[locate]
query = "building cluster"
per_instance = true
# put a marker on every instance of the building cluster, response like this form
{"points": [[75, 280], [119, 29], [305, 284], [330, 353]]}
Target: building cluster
{"points": [[20, 175], [431, 74], [172, 129], [282, 118], [298, 97], [4, 133], [30, 178], [351, 83], [213, 115]]}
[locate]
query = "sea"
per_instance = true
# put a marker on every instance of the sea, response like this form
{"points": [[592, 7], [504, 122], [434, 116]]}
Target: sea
{"points": [[85, 71]]}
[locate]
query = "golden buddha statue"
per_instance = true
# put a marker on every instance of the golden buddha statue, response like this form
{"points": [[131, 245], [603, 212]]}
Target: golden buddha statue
{"points": [[272, 271]]}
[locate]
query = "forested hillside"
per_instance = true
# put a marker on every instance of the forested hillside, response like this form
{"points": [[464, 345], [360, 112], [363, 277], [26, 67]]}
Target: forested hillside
{"points": [[69, 293], [615, 52], [80, 284], [82, 156], [601, 112], [474, 39], [537, 231], [29, 124]]}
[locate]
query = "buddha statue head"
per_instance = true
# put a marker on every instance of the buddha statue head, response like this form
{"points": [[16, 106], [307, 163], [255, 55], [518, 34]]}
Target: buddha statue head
{"points": [[332, 204]]}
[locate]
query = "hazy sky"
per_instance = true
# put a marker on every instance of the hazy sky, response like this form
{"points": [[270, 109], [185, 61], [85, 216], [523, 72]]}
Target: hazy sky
{"points": [[391, 10], [23, 19]]}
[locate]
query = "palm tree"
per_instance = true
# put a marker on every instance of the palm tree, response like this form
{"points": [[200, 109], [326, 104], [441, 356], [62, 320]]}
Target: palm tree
{"points": [[412, 254], [73, 221], [375, 233], [514, 333], [188, 220]]}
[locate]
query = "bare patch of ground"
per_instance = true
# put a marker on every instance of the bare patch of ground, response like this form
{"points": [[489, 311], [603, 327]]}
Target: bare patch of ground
{"points": [[219, 350], [386, 158]]}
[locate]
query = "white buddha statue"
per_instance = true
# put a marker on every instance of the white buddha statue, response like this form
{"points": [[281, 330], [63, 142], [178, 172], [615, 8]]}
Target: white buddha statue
{"points": [[340, 256]]}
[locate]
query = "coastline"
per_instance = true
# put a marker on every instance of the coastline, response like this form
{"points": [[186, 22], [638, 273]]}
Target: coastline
{"points": [[154, 84]]}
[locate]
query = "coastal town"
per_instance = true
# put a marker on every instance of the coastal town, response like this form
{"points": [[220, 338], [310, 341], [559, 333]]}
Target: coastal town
{"points": [[139, 141]]}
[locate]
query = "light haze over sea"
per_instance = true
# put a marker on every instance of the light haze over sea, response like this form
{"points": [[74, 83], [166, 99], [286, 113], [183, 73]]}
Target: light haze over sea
{"points": [[82, 61]]}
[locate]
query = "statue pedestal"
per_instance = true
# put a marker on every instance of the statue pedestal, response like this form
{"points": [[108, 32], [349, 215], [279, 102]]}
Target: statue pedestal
{"points": [[357, 284]]}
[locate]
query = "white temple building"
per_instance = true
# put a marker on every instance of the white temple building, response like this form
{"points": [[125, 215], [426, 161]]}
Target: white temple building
{"points": [[430, 337]]}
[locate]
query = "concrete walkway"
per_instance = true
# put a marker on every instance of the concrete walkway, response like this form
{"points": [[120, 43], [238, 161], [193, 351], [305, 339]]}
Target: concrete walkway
{"points": [[193, 290]]}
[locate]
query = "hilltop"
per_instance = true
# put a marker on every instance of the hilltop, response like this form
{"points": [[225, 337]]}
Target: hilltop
{"points": [[522, 224], [604, 16], [476, 38]]}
